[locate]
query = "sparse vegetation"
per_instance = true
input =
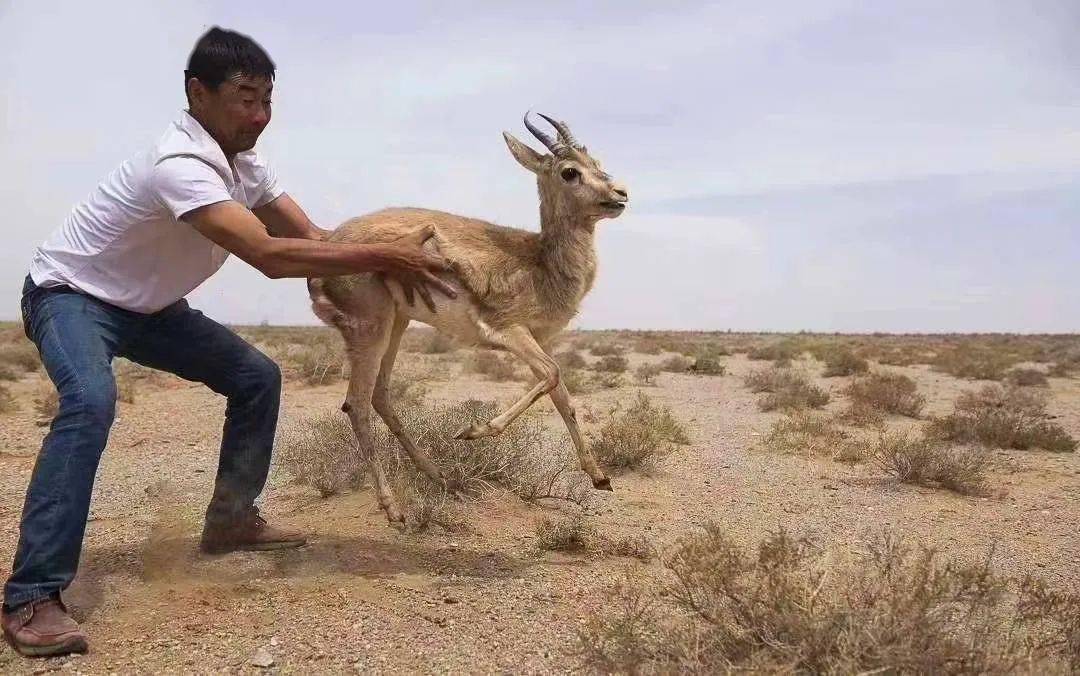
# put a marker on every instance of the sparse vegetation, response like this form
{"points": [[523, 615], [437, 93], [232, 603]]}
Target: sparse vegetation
{"points": [[808, 433], [638, 436], [571, 359], [887, 392], [843, 362], [20, 356], [438, 343], [707, 366], [785, 389], [607, 349], [676, 364], [781, 353], [577, 534], [576, 381], [978, 362], [492, 365], [1026, 377], [646, 374], [46, 403], [608, 380], [612, 363], [929, 462], [321, 452], [1004, 417], [793, 607]]}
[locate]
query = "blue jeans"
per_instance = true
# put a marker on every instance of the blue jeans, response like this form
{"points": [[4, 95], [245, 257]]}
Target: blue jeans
{"points": [[78, 336]]}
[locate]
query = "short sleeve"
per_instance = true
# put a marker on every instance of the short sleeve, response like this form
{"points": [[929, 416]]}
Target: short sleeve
{"points": [[260, 180], [183, 184]]}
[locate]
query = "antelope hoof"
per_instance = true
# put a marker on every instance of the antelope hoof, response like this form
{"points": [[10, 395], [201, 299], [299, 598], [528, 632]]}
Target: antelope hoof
{"points": [[395, 517], [602, 484], [474, 431], [452, 486]]}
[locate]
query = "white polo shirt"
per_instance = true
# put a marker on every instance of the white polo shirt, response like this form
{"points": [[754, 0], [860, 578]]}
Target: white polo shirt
{"points": [[126, 244]]}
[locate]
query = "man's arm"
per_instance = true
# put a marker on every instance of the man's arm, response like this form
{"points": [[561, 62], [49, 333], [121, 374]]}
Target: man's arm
{"points": [[283, 217], [236, 229]]}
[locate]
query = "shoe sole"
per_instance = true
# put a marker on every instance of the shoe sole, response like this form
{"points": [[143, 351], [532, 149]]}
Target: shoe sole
{"points": [[75, 644]]}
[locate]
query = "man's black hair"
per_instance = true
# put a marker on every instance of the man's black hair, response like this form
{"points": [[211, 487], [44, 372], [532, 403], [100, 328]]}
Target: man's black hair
{"points": [[220, 54]]}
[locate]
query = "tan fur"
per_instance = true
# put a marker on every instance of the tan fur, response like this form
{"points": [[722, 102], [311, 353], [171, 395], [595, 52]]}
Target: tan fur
{"points": [[517, 290]]}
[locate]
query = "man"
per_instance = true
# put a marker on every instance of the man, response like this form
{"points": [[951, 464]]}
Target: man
{"points": [[111, 282]]}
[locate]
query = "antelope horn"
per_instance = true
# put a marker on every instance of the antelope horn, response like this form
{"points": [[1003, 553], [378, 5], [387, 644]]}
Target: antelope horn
{"points": [[564, 132], [550, 143]]}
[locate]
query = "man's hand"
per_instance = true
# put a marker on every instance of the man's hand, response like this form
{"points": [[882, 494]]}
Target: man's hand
{"points": [[408, 264]]}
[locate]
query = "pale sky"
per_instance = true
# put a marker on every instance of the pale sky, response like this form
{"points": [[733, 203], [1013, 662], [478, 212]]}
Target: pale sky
{"points": [[818, 165]]}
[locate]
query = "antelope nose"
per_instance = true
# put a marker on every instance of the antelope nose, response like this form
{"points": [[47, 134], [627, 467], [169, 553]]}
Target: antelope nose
{"points": [[621, 192]]}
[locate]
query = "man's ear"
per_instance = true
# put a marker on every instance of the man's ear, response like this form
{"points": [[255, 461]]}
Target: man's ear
{"points": [[526, 156]]}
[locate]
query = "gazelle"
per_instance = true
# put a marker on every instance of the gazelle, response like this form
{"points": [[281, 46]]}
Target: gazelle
{"points": [[517, 290]]}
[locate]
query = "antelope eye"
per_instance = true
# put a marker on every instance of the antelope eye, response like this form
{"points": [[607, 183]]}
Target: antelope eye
{"points": [[569, 174]]}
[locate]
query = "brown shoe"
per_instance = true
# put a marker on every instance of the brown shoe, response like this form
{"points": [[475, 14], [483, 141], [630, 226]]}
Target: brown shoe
{"points": [[43, 628], [250, 533]]}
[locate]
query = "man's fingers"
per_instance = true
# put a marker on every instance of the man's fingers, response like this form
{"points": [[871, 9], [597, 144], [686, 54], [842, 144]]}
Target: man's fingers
{"points": [[441, 285], [437, 263]]}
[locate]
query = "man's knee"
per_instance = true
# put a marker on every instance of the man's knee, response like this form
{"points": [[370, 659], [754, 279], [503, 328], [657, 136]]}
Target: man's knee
{"points": [[261, 376], [96, 404]]}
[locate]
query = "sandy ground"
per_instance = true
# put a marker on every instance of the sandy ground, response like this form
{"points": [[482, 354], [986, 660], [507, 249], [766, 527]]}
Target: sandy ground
{"points": [[364, 597]]}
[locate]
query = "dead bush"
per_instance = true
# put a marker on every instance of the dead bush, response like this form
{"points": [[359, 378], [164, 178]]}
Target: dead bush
{"points": [[319, 362], [803, 432], [888, 392], [8, 404], [607, 349], [707, 366], [1027, 378], [321, 452], [769, 379], [438, 343], [576, 381], [20, 356], [571, 359], [929, 462], [1004, 417], [577, 534], [492, 365], [780, 353], [861, 414], [676, 364], [793, 607], [638, 436], [607, 380], [843, 362], [612, 363], [46, 403], [972, 361], [646, 374]]}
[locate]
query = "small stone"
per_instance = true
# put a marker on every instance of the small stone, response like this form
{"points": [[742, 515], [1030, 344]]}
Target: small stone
{"points": [[262, 658], [451, 599], [273, 640]]}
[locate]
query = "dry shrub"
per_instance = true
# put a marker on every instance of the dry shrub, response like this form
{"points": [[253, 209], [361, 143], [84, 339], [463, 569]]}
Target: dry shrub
{"points": [[928, 462], [321, 452], [798, 395], [972, 361], [492, 365], [808, 433], [707, 366], [646, 374], [1027, 378], [607, 349], [437, 343], [768, 379], [638, 436], [651, 346], [887, 392], [612, 363], [46, 403], [20, 356], [571, 359], [524, 459], [861, 414], [577, 534], [608, 380], [780, 353], [576, 381], [676, 364], [8, 404], [843, 362], [792, 607], [1060, 370], [1004, 417], [320, 361]]}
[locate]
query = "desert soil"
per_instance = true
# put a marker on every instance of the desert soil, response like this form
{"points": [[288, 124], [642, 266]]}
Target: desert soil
{"points": [[362, 596]]}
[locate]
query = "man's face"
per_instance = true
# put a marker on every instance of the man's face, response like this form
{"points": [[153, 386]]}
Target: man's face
{"points": [[236, 113]]}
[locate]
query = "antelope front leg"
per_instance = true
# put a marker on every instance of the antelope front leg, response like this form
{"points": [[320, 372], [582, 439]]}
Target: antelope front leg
{"points": [[520, 342], [560, 396]]}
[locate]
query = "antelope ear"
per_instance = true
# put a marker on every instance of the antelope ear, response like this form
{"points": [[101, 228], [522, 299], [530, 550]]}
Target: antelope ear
{"points": [[526, 156]]}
